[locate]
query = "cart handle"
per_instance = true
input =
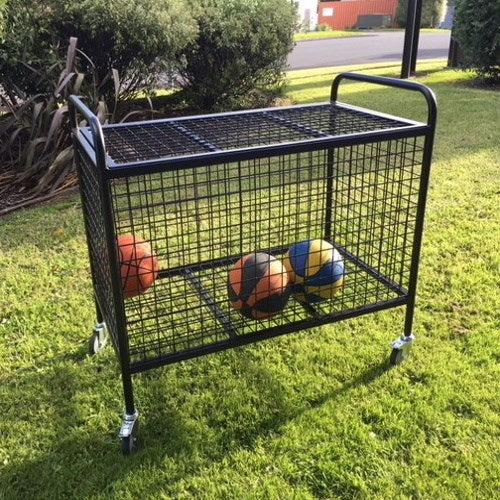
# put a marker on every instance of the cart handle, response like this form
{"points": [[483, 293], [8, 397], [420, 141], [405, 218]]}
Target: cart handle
{"points": [[429, 95], [77, 105]]}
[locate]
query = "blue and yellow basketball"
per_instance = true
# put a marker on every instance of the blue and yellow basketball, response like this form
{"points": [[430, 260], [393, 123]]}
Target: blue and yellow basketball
{"points": [[316, 270]]}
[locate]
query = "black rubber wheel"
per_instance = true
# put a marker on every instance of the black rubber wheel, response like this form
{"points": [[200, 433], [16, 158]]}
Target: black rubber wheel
{"points": [[397, 357], [93, 344], [129, 445], [97, 340]]}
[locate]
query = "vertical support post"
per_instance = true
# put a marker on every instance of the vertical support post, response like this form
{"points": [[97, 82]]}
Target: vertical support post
{"points": [[452, 53], [416, 36], [419, 227], [109, 230], [98, 312], [409, 37], [74, 126], [330, 159], [116, 288], [455, 53], [329, 195]]}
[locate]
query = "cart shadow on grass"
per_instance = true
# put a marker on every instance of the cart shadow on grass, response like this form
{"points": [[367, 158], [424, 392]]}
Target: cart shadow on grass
{"points": [[79, 460]]}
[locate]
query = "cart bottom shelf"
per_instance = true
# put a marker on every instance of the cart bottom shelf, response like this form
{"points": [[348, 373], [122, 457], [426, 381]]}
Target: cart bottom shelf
{"points": [[187, 312]]}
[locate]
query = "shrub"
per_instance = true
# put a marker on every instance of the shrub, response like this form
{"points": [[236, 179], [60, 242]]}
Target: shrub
{"points": [[35, 143], [135, 38], [241, 48], [323, 27], [432, 12], [477, 29]]}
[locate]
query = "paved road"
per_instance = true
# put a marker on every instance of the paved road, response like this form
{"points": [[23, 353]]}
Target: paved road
{"points": [[374, 47]]}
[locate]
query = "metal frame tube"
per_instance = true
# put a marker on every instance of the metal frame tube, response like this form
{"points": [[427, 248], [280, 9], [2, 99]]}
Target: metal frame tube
{"points": [[74, 126], [329, 194], [250, 338], [391, 82], [106, 207], [419, 227], [424, 178]]}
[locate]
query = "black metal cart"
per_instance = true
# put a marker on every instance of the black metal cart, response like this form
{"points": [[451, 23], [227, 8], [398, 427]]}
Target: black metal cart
{"points": [[205, 190]]}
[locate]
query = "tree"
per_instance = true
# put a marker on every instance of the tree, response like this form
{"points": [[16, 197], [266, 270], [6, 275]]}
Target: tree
{"points": [[477, 29]]}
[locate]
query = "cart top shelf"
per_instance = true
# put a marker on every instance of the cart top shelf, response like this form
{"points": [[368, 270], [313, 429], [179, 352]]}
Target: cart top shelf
{"points": [[139, 142]]}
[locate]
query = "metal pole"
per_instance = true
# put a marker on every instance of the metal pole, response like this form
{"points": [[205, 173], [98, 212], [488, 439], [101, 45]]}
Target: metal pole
{"points": [[416, 36], [409, 35]]}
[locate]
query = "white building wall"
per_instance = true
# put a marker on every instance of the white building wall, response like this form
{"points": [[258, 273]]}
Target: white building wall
{"points": [[308, 13]]}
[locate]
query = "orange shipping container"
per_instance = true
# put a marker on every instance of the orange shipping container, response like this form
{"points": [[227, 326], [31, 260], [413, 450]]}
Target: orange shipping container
{"points": [[344, 14]]}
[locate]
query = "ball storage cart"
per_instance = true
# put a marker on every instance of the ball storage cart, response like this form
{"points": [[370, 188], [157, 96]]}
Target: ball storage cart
{"points": [[203, 191]]}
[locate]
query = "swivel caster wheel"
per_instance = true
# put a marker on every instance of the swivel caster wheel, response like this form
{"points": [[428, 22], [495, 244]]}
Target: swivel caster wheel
{"points": [[128, 433], [401, 349], [98, 339], [397, 357], [129, 444]]}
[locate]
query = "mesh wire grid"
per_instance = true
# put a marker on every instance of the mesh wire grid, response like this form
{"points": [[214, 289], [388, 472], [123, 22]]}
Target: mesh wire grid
{"points": [[98, 250], [172, 138], [199, 221]]}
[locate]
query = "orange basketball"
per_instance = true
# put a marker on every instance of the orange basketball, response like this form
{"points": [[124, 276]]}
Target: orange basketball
{"points": [[258, 286], [138, 264]]}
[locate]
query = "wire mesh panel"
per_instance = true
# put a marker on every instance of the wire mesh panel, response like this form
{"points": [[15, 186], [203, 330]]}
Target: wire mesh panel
{"points": [[179, 137], [96, 236], [201, 220], [376, 188]]}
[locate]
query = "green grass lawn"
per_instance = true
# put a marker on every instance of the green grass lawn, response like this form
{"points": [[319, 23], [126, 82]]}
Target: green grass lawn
{"points": [[316, 414], [317, 35], [422, 30]]}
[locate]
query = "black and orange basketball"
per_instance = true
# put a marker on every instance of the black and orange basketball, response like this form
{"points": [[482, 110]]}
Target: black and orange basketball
{"points": [[138, 264], [258, 286]]}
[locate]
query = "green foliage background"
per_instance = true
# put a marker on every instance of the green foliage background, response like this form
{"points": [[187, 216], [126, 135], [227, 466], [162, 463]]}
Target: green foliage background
{"points": [[229, 53], [241, 47], [135, 38], [477, 29]]}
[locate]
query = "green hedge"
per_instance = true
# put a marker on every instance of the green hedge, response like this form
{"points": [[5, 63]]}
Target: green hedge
{"points": [[477, 29], [241, 49], [135, 38]]}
